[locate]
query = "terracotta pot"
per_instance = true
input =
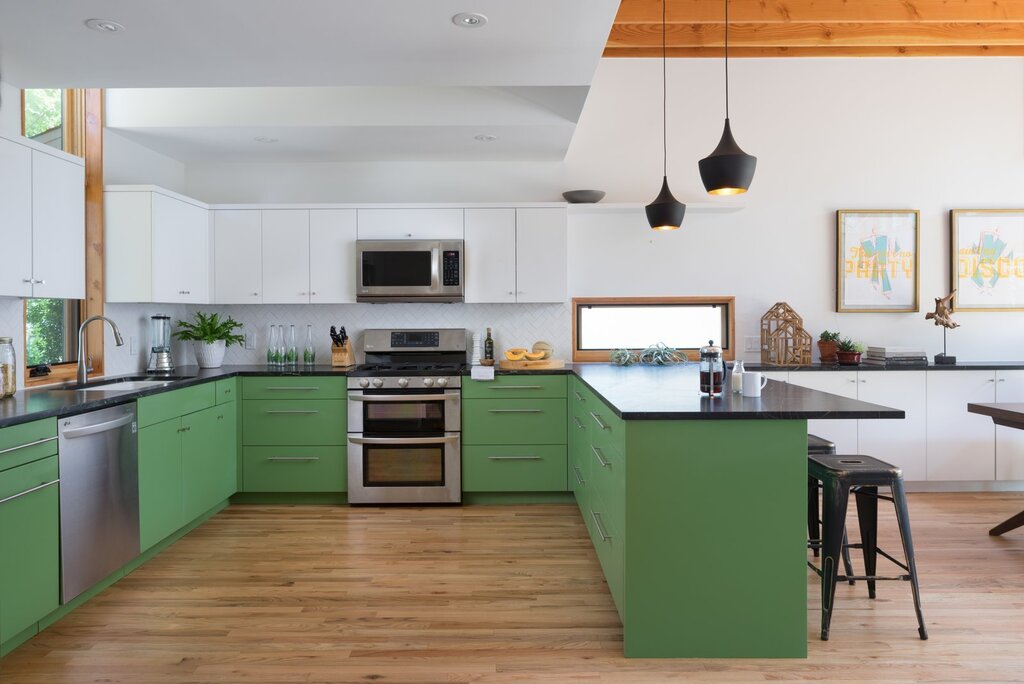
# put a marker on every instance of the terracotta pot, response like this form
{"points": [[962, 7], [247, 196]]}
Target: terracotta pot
{"points": [[848, 358], [827, 350]]}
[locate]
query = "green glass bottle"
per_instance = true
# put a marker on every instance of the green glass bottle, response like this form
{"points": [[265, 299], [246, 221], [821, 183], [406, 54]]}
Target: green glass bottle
{"points": [[489, 346]]}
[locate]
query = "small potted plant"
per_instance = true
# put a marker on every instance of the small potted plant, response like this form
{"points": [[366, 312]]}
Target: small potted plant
{"points": [[210, 336], [828, 343], [848, 352]]}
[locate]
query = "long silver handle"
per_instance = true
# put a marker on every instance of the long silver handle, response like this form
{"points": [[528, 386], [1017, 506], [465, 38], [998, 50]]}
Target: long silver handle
{"points": [[601, 423], [514, 458], [291, 389], [373, 398], [600, 458], [579, 397], [515, 411], [74, 433], [29, 491], [512, 387], [600, 528], [402, 441], [579, 477], [293, 458], [578, 423], [30, 444], [304, 412]]}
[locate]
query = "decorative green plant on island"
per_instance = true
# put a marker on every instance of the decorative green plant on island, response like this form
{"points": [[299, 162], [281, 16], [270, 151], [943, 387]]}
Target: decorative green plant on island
{"points": [[848, 345], [827, 336], [210, 329]]}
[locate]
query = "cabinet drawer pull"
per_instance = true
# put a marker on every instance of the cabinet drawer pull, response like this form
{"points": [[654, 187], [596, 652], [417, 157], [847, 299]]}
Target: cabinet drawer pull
{"points": [[578, 423], [227, 391], [292, 411], [600, 458], [220, 417], [27, 280], [601, 423], [515, 411], [293, 458], [579, 478], [39, 282], [515, 458], [600, 528], [512, 387], [579, 397], [30, 444], [184, 429], [29, 491], [291, 389]]}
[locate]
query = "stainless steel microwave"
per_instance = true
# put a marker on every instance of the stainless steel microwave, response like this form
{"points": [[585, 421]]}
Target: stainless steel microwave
{"points": [[410, 270]]}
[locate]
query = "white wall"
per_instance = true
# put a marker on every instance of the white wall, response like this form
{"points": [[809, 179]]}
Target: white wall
{"points": [[10, 109], [126, 162], [928, 134]]}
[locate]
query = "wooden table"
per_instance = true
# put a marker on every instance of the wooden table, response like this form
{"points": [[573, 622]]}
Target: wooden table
{"points": [[1007, 415]]}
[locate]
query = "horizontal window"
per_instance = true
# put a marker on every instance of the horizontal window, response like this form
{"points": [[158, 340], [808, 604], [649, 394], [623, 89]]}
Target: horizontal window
{"points": [[684, 323]]}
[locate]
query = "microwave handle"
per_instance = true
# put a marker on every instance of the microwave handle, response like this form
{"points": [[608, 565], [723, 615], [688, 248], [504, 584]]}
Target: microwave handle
{"points": [[435, 268]]}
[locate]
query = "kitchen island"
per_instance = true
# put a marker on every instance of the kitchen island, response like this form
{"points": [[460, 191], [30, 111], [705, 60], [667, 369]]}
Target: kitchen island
{"points": [[697, 507]]}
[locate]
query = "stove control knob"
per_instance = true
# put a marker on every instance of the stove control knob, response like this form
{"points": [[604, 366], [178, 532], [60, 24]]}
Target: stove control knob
{"points": [[429, 382], [403, 383], [442, 382], [377, 382], [364, 383]]}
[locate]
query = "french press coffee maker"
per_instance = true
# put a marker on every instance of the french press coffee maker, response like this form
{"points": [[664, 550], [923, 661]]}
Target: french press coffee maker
{"points": [[712, 370]]}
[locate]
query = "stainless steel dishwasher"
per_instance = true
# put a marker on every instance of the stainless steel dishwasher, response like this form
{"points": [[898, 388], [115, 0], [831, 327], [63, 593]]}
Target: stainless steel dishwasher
{"points": [[99, 496]]}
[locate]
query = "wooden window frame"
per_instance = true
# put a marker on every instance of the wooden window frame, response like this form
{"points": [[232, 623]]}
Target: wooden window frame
{"points": [[82, 121], [601, 355]]}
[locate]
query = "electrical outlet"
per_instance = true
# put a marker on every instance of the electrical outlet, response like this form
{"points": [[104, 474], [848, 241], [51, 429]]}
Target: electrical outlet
{"points": [[752, 344], [132, 347], [250, 340]]}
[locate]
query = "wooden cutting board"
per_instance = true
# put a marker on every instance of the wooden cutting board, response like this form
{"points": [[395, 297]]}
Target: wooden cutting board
{"points": [[543, 364]]}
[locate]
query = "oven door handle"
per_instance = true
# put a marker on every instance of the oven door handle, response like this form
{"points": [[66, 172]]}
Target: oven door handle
{"points": [[381, 398], [403, 441]]}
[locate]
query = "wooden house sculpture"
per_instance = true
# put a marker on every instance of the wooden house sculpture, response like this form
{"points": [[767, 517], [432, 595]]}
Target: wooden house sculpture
{"points": [[784, 342]]}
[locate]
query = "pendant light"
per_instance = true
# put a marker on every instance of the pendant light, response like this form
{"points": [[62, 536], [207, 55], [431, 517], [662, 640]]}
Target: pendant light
{"points": [[665, 212], [728, 170]]}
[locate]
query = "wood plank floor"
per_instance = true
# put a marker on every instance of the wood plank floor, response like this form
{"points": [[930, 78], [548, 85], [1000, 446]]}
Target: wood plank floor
{"points": [[498, 594]]}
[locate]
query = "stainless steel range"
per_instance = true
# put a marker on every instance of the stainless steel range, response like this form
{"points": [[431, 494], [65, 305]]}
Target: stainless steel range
{"points": [[405, 418]]}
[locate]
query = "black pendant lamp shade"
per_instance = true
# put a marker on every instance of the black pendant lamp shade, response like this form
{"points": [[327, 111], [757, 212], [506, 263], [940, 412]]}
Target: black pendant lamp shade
{"points": [[728, 170], [665, 212]]}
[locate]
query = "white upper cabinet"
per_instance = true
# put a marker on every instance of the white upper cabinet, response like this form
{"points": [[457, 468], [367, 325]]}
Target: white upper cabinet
{"points": [[332, 256], [237, 256], [285, 256], [542, 255], [157, 246], [181, 251], [843, 383], [16, 219], [900, 442], [410, 224], [490, 265], [1009, 441], [961, 445], [42, 221]]}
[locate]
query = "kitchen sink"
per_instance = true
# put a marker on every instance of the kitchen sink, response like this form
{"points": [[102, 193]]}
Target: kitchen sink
{"points": [[118, 385]]}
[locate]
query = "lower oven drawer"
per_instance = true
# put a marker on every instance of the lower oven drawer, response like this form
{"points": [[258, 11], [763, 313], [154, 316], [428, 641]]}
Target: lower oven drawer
{"points": [[310, 422], [293, 469], [514, 469]]}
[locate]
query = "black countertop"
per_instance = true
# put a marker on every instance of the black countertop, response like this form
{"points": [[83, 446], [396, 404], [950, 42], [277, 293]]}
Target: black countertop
{"points": [[634, 393], [963, 365]]}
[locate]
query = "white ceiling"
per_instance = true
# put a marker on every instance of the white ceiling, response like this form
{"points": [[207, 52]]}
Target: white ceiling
{"points": [[332, 80]]}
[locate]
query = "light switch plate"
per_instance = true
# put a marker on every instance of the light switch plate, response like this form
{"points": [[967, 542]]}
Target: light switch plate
{"points": [[752, 344], [133, 349], [250, 340]]}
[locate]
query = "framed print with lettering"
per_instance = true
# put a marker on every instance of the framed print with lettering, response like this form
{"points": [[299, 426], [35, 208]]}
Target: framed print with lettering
{"points": [[987, 250], [877, 267]]}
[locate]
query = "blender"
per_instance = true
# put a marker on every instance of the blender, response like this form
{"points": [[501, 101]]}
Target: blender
{"points": [[160, 353]]}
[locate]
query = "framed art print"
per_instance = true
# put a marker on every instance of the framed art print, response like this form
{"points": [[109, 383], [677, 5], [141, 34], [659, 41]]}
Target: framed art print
{"points": [[987, 249], [877, 267]]}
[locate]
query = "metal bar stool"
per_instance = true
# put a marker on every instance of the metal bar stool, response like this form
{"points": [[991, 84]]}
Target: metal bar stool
{"points": [[820, 446], [862, 475]]}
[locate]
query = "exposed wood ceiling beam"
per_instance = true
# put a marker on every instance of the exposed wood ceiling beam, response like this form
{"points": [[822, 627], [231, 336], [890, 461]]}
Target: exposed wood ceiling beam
{"points": [[813, 28]]}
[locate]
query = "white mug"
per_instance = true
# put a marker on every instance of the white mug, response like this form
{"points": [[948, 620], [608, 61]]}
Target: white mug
{"points": [[753, 383]]}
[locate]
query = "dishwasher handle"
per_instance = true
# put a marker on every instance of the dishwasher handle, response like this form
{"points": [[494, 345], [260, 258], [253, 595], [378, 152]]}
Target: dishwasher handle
{"points": [[87, 430]]}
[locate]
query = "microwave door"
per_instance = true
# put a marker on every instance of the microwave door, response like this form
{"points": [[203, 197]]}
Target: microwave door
{"points": [[404, 271]]}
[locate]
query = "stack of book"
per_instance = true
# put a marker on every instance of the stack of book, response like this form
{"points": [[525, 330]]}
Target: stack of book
{"points": [[895, 357]]}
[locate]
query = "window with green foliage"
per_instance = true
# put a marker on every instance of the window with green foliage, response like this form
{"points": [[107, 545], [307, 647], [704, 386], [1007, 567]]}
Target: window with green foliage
{"points": [[44, 116]]}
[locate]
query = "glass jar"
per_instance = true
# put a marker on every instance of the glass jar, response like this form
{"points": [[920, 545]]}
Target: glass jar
{"points": [[736, 379], [8, 368], [712, 370]]}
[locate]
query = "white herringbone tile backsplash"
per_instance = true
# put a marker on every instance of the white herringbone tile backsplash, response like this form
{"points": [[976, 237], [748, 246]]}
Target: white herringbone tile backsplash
{"points": [[513, 325]]}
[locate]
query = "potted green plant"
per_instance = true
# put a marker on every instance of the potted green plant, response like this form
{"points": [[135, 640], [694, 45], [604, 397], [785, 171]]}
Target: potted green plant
{"points": [[210, 336], [828, 343], [849, 352]]}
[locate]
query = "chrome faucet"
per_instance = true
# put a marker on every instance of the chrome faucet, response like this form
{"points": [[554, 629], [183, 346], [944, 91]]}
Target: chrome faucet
{"points": [[83, 366]]}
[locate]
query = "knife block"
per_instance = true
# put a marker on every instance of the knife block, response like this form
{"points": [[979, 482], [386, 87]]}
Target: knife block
{"points": [[342, 357]]}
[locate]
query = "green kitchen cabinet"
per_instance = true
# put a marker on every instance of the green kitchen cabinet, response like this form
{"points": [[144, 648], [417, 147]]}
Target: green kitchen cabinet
{"points": [[209, 461], [29, 545], [27, 442], [514, 421], [310, 387], [226, 390], [168, 405], [293, 422], [523, 468], [294, 468], [525, 386], [160, 482]]}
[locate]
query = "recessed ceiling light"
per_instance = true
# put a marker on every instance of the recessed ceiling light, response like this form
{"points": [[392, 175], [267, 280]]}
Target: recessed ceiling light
{"points": [[265, 139], [469, 19], [485, 137], [104, 25]]}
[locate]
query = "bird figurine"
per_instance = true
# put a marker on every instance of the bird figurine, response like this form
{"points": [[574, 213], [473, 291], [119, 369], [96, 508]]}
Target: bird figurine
{"points": [[943, 312]]}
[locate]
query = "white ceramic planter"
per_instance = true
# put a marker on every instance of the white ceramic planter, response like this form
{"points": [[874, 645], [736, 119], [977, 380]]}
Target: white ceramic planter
{"points": [[209, 354]]}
